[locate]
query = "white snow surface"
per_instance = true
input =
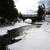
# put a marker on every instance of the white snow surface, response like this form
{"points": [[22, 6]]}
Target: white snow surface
{"points": [[3, 30], [37, 39]]}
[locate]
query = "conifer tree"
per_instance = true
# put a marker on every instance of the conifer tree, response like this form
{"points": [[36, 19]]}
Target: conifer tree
{"points": [[8, 10]]}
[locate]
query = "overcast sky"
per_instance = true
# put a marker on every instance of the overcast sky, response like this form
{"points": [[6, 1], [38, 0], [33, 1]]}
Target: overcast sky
{"points": [[28, 6]]}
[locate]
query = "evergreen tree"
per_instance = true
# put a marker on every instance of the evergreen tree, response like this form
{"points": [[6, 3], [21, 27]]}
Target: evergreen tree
{"points": [[8, 10]]}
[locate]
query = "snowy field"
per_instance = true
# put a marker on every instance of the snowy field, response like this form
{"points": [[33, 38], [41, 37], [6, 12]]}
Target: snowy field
{"points": [[36, 39], [3, 30]]}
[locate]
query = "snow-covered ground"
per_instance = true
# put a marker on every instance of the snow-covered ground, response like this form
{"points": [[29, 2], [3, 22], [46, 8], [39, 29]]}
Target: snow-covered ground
{"points": [[36, 39], [3, 30]]}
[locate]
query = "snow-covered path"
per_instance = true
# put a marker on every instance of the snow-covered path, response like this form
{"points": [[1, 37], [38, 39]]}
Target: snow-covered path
{"points": [[37, 39]]}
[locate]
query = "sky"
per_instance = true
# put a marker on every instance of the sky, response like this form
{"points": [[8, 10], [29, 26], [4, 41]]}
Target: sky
{"points": [[28, 6]]}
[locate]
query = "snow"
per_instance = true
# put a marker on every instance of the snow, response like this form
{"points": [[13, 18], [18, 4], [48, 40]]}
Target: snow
{"points": [[28, 21], [36, 39], [3, 30]]}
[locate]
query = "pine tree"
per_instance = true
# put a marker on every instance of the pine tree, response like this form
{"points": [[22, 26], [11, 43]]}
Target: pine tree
{"points": [[8, 10]]}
